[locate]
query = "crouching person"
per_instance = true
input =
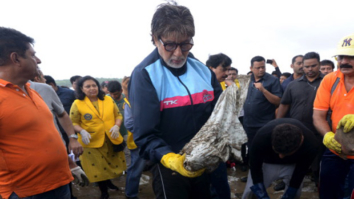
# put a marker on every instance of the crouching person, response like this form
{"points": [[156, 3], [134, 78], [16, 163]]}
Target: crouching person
{"points": [[283, 148]]}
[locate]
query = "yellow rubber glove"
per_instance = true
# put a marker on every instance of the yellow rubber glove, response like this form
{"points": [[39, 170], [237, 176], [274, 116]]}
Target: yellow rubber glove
{"points": [[175, 161], [347, 122], [331, 143]]}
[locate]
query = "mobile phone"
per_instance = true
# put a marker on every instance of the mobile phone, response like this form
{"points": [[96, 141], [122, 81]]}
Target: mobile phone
{"points": [[269, 61]]}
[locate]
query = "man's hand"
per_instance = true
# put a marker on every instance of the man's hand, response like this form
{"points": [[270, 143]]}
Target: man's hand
{"points": [[347, 122], [75, 147], [228, 82], [331, 143], [274, 63], [258, 86], [260, 191], [125, 82], [80, 177], [175, 161], [114, 132], [85, 136]]}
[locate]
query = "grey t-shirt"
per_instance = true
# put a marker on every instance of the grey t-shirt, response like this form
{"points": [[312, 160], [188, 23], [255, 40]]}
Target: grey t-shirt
{"points": [[51, 99]]}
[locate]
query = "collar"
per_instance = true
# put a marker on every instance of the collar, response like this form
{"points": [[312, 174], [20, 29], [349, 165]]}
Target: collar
{"points": [[100, 106], [4, 83], [264, 77], [304, 78]]}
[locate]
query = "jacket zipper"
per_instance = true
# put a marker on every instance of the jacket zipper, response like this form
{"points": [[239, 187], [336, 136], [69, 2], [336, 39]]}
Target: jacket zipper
{"points": [[190, 97]]}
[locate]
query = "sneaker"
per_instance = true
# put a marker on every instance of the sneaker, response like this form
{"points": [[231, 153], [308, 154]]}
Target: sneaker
{"points": [[279, 186]]}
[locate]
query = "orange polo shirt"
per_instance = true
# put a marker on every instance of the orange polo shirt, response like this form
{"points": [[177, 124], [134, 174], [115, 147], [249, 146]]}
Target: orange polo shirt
{"points": [[341, 102], [33, 158]]}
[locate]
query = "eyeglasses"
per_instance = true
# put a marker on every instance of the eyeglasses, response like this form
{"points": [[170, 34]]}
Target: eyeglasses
{"points": [[173, 46], [342, 57]]}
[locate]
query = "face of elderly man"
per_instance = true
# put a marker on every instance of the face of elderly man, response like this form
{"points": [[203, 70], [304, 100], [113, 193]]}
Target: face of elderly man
{"points": [[174, 49]]}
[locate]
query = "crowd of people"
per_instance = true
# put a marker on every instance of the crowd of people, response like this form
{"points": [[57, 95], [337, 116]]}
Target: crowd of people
{"points": [[51, 135]]}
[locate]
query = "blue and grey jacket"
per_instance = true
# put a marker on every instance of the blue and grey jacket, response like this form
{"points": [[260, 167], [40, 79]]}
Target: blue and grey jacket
{"points": [[170, 105]]}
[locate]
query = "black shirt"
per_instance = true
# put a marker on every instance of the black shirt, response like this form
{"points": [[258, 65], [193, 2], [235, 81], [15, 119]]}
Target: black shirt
{"points": [[300, 95], [262, 151], [258, 110]]}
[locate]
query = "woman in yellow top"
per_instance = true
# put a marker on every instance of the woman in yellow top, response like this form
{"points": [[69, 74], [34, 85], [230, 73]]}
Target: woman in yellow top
{"points": [[97, 119]]}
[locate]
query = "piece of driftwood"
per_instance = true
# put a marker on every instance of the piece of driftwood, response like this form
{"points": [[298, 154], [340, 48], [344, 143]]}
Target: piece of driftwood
{"points": [[347, 142], [222, 135]]}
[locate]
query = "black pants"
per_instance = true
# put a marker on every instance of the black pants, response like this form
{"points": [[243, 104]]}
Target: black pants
{"points": [[168, 184]]}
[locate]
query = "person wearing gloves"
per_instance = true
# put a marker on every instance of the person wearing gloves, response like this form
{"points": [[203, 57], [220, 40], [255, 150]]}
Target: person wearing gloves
{"points": [[59, 114], [97, 119], [172, 95], [283, 148], [334, 101]]}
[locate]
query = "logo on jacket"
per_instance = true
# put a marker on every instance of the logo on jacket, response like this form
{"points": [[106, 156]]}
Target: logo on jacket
{"points": [[88, 116], [206, 96], [170, 102]]}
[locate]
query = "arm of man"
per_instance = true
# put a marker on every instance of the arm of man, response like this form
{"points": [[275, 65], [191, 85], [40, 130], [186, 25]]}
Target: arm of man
{"points": [[282, 110], [258, 149], [128, 118], [285, 103], [145, 107], [272, 98], [277, 70], [125, 82], [65, 122], [261, 146], [67, 125], [320, 122], [321, 106], [309, 152]]}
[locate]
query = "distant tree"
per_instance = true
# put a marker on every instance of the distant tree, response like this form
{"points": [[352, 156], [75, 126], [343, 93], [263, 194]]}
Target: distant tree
{"points": [[66, 82]]}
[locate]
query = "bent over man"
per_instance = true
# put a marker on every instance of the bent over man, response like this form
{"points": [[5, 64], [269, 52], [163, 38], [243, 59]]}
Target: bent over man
{"points": [[283, 148]]}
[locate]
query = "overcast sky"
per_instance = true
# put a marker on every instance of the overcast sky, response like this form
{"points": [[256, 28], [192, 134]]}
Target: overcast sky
{"points": [[109, 38]]}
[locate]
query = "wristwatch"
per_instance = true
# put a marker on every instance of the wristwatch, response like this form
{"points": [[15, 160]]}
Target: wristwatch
{"points": [[73, 136]]}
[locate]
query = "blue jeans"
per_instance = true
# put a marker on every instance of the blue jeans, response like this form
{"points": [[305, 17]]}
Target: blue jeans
{"points": [[333, 173], [220, 187], [135, 169], [62, 192]]}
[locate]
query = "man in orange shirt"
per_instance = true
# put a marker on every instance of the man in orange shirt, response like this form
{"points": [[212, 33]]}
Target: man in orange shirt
{"points": [[336, 94], [33, 159]]}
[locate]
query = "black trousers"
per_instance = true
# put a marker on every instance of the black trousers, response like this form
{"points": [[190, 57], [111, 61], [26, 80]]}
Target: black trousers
{"points": [[168, 184]]}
